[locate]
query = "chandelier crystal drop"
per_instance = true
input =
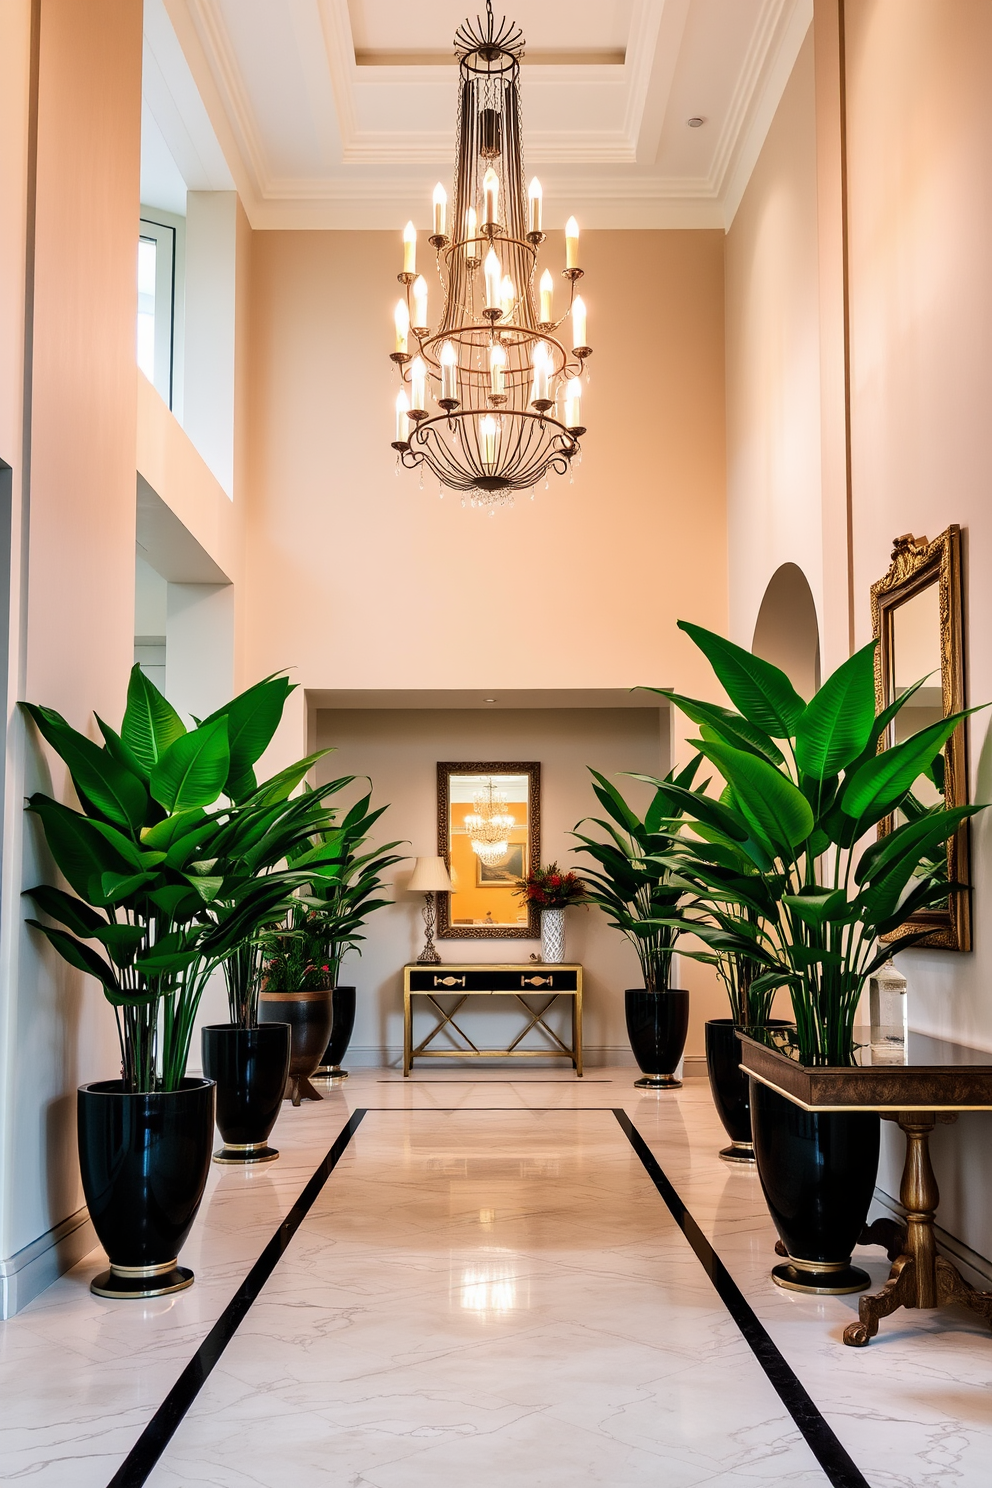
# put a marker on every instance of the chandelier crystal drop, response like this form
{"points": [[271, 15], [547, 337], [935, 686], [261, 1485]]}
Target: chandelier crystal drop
{"points": [[491, 396], [489, 826]]}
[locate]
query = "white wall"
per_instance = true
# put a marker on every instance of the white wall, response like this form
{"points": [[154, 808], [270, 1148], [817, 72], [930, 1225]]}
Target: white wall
{"points": [[210, 313], [399, 749]]}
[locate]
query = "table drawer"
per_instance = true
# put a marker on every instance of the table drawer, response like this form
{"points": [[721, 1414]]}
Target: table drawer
{"points": [[535, 978]]}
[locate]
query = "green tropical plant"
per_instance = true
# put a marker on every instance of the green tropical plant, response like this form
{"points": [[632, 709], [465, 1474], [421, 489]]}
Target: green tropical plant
{"points": [[777, 863], [638, 883], [166, 816]]}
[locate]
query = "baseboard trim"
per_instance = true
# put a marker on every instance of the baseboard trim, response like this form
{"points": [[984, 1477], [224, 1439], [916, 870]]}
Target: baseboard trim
{"points": [[33, 1268], [975, 1268]]}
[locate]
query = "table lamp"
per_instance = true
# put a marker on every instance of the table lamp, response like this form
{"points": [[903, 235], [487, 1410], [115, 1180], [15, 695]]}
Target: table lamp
{"points": [[429, 877]]}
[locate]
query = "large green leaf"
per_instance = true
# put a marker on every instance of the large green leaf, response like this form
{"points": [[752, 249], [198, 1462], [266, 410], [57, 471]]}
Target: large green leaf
{"points": [[918, 837], [768, 799], [729, 727], [837, 722], [101, 782], [67, 909], [252, 719], [877, 786], [83, 957], [151, 724], [79, 850], [193, 769], [757, 689]]}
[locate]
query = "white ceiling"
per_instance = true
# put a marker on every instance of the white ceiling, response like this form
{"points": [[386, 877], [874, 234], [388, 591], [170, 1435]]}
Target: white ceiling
{"points": [[340, 113]]}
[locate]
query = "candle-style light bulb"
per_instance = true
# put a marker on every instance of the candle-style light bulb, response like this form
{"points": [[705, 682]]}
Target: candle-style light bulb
{"points": [[494, 278], [420, 302], [402, 418], [449, 372], [542, 373], [497, 367], [573, 407], [535, 201], [409, 249], [490, 195], [579, 322], [402, 319], [418, 385], [571, 244], [440, 210], [507, 296], [547, 297], [489, 430], [471, 229]]}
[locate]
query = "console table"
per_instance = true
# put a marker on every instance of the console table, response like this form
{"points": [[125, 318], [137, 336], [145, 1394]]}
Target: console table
{"points": [[527, 982], [936, 1081]]}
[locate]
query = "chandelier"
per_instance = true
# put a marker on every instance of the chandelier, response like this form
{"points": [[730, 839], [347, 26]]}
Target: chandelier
{"points": [[491, 395], [489, 826]]}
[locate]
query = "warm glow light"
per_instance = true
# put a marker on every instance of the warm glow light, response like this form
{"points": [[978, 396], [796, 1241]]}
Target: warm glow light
{"points": [[494, 276], [490, 192], [507, 296], [420, 302], [547, 297], [449, 372], [535, 200], [402, 319], [573, 409], [542, 373], [471, 247], [489, 431], [418, 380], [402, 418], [579, 322], [409, 249], [571, 244], [497, 365], [440, 210]]}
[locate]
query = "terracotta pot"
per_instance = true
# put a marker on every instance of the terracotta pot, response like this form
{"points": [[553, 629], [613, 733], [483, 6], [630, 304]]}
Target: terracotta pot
{"points": [[310, 1017]]}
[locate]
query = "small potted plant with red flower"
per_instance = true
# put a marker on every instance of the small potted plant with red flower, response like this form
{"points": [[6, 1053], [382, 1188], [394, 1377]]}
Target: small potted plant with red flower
{"points": [[553, 890]]}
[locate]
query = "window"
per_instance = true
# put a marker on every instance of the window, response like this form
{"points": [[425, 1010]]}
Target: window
{"points": [[159, 255]]}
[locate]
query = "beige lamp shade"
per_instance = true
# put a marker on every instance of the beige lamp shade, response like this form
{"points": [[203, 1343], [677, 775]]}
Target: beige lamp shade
{"points": [[430, 876]]}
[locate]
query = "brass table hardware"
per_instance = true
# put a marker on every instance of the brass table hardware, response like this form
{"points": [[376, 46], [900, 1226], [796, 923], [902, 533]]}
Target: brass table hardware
{"points": [[513, 981], [938, 1080]]}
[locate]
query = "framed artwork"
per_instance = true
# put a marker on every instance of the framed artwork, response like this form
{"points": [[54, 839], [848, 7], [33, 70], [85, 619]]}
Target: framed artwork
{"points": [[499, 875]]}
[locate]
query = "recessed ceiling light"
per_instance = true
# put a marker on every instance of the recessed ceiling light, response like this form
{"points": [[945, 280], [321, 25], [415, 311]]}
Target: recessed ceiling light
{"points": [[695, 122], [488, 700]]}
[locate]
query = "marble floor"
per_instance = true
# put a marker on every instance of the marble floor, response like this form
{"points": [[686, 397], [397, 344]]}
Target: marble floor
{"points": [[489, 1289]]}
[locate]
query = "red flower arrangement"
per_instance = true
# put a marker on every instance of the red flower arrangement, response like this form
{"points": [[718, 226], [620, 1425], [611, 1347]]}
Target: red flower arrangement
{"points": [[551, 888]]}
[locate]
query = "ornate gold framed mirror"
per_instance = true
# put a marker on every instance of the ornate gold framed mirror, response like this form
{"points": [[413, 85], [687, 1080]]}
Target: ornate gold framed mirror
{"points": [[489, 834], [918, 617]]}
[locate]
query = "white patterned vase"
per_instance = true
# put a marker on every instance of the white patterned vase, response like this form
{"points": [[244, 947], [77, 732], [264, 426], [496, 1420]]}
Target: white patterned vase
{"points": [[552, 935]]}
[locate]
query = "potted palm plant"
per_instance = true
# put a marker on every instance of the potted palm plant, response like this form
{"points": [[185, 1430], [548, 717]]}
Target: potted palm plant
{"points": [[805, 782], [137, 857], [639, 888]]}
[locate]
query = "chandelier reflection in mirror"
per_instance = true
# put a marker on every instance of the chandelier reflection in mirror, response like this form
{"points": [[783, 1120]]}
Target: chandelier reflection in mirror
{"points": [[491, 396], [489, 825]]}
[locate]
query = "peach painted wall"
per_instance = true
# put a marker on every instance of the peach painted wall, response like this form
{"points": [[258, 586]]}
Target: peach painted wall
{"points": [[79, 554]]}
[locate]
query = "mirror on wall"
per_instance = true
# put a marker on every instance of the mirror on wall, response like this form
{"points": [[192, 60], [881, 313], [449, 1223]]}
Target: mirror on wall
{"points": [[917, 610], [489, 836]]}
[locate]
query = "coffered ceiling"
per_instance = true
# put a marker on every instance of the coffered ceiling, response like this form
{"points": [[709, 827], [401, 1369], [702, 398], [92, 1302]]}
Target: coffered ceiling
{"points": [[340, 113]]}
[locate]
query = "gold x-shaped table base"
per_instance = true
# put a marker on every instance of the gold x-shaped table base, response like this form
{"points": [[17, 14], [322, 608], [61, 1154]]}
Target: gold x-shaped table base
{"points": [[536, 1019]]}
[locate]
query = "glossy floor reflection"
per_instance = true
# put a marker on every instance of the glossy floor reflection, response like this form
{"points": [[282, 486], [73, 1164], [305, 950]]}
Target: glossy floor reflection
{"points": [[489, 1289]]}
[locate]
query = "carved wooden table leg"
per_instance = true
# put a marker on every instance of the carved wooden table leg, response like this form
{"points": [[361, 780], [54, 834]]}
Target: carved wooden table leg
{"points": [[889, 1234]]}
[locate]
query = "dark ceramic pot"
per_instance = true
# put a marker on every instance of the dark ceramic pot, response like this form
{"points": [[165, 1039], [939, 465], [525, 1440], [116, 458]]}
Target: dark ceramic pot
{"points": [[657, 1024], [343, 1026], [817, 1170], [729, 1086], [144, 1161], [309, 1015], [250, 1066]]}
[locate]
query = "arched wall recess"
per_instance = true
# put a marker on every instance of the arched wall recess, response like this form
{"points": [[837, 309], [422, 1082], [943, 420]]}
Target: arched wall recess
{"points": [[786, 632]]}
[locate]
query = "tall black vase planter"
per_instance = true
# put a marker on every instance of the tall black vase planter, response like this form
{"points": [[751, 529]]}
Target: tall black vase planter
{"points": [[729, 1086], [250, 1066], [817, 1170], [657, 1024], [343, 1007], [144, 1161]]}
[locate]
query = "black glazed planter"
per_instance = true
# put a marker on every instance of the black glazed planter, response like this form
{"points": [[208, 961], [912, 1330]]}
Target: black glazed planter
{"points": [[144, 1161], [309, 1016], [343, 1010], [729, 1086], [250, 1066], [817, 1170], [657, 1024]]}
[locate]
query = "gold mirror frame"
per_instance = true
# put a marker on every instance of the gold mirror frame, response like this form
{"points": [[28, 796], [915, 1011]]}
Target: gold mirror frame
{"points": [[445, 769], [916, 564]]}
